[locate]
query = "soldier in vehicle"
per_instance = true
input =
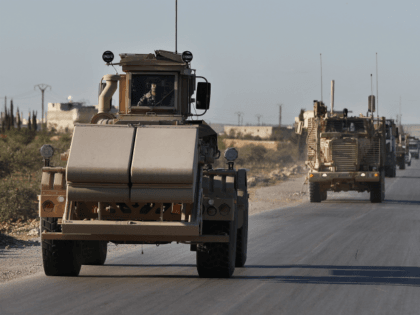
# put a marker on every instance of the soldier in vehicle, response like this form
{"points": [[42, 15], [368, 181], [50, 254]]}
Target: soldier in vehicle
{"points": [[159, 95], [148, 99]]}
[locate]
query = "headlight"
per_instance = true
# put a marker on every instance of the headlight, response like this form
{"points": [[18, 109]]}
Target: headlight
{"points": [[224, 209], [324, 175], [48, 206], [210, 202], [231, 154], [211, 211], [47, 151], [363, 174]]}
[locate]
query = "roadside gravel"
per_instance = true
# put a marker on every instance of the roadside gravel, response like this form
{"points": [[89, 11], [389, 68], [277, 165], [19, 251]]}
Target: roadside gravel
{"points": [[20, 245]]}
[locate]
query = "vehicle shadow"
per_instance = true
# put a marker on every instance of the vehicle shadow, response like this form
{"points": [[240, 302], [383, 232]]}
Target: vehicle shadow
{"points": [[402, 202], [355, 275]]}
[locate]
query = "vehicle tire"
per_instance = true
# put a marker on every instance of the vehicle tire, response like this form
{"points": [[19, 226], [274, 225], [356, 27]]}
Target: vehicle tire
{"points": [[417, 157], [324, 195], [402, 163], [377, 192], [409, 163], [395, 172], [314, 192], [242, 232], [60, 258], [217, 260], [242, 240], [94, 252]]}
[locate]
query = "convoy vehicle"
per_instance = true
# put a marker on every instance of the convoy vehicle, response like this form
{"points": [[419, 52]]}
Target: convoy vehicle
{"points": [[413, 147], [345, 153], [402, 149], [391, 154], [145, 175]]}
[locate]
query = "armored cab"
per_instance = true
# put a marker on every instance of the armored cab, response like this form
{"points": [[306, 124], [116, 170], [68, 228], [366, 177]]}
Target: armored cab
{"points": [[345, 153], [145, 175]]}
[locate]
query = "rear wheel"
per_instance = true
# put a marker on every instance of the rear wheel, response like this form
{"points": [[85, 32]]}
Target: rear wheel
{"points": [[60, 258], [402, 163], [94, 252], [242, 232], [217, 260], [314, 192], [324, 195]]}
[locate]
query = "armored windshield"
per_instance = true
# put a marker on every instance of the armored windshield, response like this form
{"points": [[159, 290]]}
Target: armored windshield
{"points": [[350, 125], [153, 90], [413, 146]]}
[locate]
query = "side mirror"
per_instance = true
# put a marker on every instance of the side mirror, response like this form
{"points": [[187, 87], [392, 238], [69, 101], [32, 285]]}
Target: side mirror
{"points": [[203, 95]]}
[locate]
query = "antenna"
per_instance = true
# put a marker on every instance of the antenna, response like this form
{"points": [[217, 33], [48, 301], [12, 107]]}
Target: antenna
{"points": [[320, 58], [371, 84], [176, 26], [377, 99]]}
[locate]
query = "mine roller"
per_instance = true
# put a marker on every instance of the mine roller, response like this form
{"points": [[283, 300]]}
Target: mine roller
{"points": [[145, 175]]}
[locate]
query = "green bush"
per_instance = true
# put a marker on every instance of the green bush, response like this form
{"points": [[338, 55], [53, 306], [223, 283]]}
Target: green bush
{"points": [[20, 169]]}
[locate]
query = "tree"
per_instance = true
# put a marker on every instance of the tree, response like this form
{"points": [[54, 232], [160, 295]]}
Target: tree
{"points": [[29, 121], [19, 122], [12, 118], [34, 123]]}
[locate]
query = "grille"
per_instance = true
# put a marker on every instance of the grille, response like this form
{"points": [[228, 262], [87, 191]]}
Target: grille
{"points": [[344, 155], [369, 151]]}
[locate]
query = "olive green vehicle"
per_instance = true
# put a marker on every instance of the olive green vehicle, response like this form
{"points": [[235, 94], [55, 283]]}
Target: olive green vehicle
{"points": [[145, 175], [345, 154]]}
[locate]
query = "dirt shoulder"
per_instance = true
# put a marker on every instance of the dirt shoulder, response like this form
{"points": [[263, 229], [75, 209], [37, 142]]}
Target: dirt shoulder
{"points": [[20, 244], [285, 193]]}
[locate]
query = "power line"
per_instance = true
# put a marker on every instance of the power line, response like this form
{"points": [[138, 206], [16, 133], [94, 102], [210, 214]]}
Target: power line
{"points": [[240, 115]]}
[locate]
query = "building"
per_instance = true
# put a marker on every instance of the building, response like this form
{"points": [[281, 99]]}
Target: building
{"points": [[63, 116], [264, 132]]}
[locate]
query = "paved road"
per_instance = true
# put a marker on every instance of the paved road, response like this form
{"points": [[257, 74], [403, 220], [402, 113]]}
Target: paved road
{"points": [[343, 256]]}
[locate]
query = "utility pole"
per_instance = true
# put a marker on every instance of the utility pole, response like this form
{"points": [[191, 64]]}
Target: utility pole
{"points": [[42, 88], [258, 117], [280, 108], [240, 114]]}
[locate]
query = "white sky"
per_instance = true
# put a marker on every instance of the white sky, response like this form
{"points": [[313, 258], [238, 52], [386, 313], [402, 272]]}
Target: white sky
{"points": [[256, 54]]}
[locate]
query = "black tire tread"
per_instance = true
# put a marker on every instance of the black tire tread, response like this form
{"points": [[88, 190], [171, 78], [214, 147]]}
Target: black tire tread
{"points": [[314, 192], [60, 258]]}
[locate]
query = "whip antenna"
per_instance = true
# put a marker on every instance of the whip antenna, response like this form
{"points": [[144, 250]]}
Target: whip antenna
{"points": [[176, 26], [377, 99], [320, 59]]}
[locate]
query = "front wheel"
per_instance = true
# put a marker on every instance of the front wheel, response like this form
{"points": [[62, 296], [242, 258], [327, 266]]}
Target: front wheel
{"points": [[314, 192], [377, 192], [60, 258], [217, 260]]}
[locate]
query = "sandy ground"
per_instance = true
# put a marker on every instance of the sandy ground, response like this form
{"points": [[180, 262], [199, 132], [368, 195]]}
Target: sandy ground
{"points": [[20, 255]]}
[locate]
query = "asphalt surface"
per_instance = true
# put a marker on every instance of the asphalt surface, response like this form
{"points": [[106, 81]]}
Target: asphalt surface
{"points": [[343, 256]]}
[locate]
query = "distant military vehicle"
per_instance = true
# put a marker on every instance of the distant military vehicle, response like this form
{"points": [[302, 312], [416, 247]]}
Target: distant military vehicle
{"points": [[145, 175], [413, 147], [402, 149], [345, 153], [391, 149]]}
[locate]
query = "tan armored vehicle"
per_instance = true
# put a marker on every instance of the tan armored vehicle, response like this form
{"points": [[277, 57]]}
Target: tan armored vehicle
{"points": [[345, 153], [145, 176], [402, 148]]}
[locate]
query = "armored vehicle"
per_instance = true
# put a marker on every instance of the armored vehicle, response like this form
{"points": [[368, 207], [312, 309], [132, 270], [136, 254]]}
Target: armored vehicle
{"points": [[413, 147], [145, 175], [391, 148], [345, 154], [402, 149]]}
